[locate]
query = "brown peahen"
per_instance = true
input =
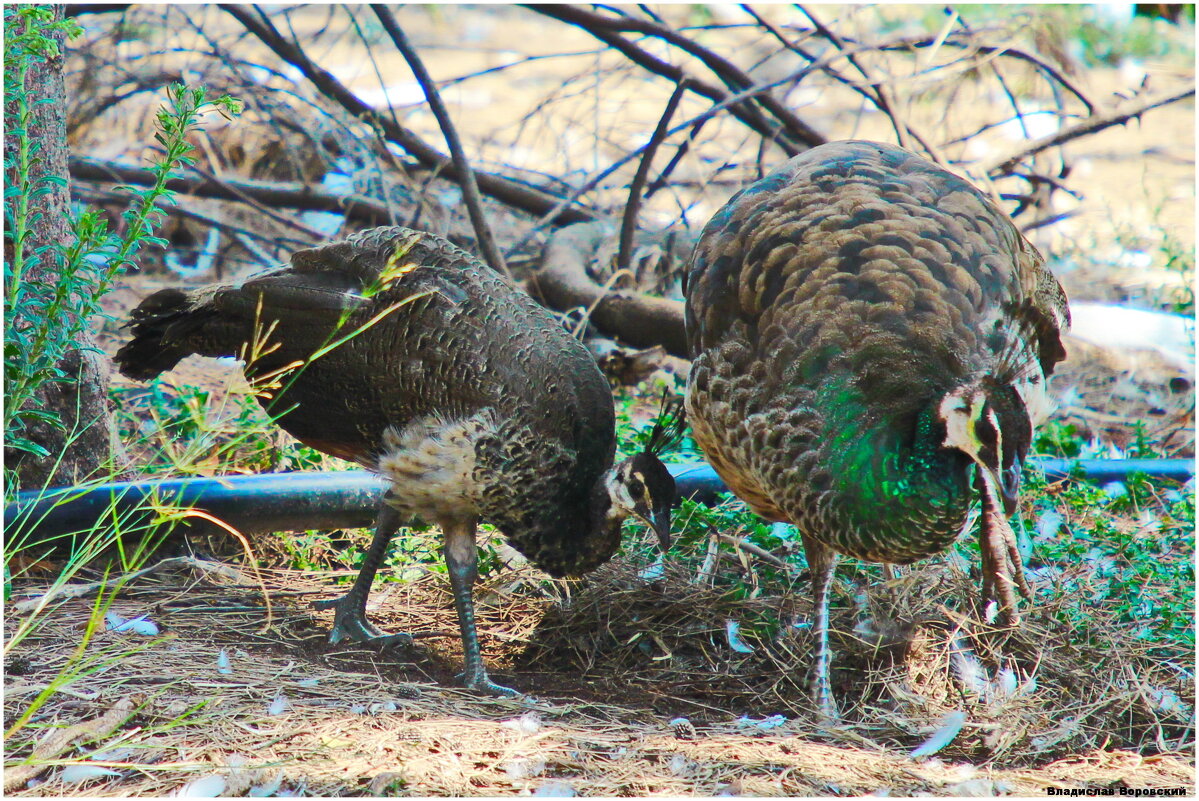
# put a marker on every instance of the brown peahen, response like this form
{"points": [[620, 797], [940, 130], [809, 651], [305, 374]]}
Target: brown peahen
{"points": [[872, 338], [399, 351]]}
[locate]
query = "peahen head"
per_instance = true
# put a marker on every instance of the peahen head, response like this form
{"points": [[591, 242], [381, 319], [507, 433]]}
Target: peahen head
{"points": [[641, 486], [988, 422]]}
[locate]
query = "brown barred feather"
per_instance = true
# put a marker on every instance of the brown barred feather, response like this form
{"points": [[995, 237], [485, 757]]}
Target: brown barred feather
{"points": [[860, 263], [871, 339], [454, 338]]}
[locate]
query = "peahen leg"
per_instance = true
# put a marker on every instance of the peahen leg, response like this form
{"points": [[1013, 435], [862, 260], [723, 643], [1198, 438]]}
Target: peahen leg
{"points": [[821, 562], [462, 558], [350, 618], [1003, 569]]}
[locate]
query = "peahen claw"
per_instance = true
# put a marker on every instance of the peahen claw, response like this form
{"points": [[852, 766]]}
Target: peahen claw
{"points": [[349, 622], [1003, 569], [483, 685]]}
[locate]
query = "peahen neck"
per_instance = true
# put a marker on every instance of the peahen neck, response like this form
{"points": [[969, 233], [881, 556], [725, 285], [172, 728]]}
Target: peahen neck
{"points": [[571, 536], [898, 494]]}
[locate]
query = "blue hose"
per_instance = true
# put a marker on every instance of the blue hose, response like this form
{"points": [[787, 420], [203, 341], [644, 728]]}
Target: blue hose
{"points": [[350, 499]]}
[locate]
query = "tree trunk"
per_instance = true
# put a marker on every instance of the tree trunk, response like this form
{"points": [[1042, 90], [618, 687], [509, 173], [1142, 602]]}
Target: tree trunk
{"points": [[81, 403]]}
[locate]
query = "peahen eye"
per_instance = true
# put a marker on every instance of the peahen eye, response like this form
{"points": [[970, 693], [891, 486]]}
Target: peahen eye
{"points": [[636, 489], [986, 432]]}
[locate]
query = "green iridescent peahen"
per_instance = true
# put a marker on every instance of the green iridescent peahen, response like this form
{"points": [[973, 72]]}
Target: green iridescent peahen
{"points": [[871, 339]]}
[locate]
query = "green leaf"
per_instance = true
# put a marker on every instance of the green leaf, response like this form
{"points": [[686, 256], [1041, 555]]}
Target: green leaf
{"points": [[43, 415], [19, 443]]}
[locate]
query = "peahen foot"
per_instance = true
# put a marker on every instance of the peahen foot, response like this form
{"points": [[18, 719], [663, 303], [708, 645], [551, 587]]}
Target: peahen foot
{"points": [[482, 684], [822, 562], [349, 621], [821, 686], [461, 559]]}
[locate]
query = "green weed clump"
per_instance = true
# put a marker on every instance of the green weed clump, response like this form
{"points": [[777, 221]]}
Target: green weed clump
{"points": [[183, 430]]}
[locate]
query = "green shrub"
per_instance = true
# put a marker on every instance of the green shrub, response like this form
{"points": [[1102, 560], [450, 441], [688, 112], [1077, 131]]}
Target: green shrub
{"points": [[44, 315]]}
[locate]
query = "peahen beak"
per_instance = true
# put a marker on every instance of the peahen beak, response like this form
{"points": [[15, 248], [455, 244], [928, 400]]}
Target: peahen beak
{"points": [[1004, 484], [1009, 487], [661, 526]]}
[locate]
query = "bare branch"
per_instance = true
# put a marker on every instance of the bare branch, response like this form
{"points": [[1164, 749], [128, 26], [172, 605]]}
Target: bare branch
{"points": [[466, 176], [882, 97], [732, 76], [266, 194], [1051, 72], [96, 196], [1005, 164], [607, 29], [514, 194], [694, 122], [634, 203]]}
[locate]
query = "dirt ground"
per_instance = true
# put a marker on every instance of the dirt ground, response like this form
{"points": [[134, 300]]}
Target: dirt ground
{"points": [[240, 697], [224, 702]]}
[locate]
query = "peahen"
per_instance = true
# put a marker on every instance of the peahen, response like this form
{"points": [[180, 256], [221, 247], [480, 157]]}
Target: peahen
{"points": [[872, 339], [399, 351]]}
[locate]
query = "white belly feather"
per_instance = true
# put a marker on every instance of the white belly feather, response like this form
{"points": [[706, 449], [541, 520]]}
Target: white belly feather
{"points": [[430, 463]]}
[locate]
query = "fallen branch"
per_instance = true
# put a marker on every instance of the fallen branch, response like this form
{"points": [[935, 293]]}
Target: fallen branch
{"points": [[75, 9], [638, 319], [104, 196], [57, 741], [266, 211], [1007, 163], [514, 194], [267, 193]]}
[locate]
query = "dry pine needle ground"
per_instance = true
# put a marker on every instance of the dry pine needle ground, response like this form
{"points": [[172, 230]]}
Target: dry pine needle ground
{"points": [[284, 711]]}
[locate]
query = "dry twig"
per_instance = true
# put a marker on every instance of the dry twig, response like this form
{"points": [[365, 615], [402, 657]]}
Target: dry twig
{"points": [[57, 741], [67, 591], [1005, 164], [466, 176], [756, 550]]}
